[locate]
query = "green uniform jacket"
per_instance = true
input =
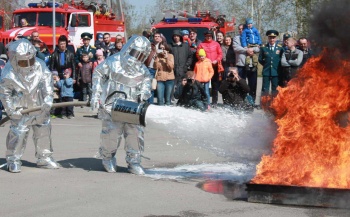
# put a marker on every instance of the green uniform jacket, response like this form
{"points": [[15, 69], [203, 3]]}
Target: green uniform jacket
{"points": [[270, 59], [80, 50]]}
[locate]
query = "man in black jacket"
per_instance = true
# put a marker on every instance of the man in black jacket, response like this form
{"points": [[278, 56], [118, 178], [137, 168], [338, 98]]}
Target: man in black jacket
{"points": [[62, 60], [182, 55], [234, 91], [191, 93]]}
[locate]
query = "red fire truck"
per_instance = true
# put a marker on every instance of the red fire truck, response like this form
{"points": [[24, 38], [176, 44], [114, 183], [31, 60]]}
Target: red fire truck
{"points": [[70, 20], [201, 21]]}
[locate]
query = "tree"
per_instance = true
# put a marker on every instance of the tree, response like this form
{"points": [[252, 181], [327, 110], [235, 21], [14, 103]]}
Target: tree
{"points": [[6, 8]]}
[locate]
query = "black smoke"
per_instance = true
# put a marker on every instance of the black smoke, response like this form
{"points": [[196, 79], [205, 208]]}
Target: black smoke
{"points": [[330, 27]]}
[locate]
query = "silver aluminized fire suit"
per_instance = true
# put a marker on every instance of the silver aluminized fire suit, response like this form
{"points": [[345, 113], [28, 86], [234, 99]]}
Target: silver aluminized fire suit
{"points": [[26, 82], [125, 72]]}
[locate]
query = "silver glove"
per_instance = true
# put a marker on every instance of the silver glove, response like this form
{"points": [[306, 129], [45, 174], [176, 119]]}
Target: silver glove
{"points": [[143, 97], [42, 118], [16, 114], [46, 107]]}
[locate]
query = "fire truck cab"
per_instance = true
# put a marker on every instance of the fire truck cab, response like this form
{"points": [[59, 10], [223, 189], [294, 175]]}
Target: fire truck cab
{"points": [[201, 21], [70, 20]]}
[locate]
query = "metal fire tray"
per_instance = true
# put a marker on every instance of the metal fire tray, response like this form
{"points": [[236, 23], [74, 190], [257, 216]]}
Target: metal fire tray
{"points": [[298, 195]]}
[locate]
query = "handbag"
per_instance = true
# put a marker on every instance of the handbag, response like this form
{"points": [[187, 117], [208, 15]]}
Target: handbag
{"points": [[154, 84], [220, 67]]}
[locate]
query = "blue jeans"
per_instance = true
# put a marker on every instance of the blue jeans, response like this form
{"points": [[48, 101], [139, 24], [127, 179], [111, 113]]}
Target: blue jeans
{"points": [[242, 72], [207, 92], [164, 88], [153, 73]]}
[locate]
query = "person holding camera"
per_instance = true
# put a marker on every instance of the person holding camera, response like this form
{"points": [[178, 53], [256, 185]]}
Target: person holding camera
{"points": [[234, 91], [164, 65], [191, 93]]}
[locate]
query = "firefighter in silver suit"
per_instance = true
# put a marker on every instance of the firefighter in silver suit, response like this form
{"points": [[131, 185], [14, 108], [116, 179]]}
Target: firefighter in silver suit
{"points": [[124, 72], [25, 83]]}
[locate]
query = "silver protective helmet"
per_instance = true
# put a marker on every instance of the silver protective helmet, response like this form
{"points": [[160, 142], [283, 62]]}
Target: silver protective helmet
{"points": [[22, 55], [136, 50]]}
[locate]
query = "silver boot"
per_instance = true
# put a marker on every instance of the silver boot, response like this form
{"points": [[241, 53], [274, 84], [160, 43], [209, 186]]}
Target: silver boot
{"points": [[14, 167], [110, 165], [136, 169], [47, 163]]}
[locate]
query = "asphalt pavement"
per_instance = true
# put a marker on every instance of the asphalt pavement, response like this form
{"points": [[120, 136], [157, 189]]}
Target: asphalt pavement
{"points": [[82, 188]]}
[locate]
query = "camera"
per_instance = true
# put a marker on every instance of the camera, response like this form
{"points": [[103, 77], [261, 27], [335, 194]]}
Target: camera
{"points": [[189, 81], [159, 50], [231, 75]]}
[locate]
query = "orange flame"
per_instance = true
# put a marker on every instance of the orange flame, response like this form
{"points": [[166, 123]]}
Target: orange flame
{"points": [[312, 148]]}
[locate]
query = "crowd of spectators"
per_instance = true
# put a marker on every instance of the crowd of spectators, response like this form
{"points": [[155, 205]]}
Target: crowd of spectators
{"points": [[239, 57], [186, 69]]}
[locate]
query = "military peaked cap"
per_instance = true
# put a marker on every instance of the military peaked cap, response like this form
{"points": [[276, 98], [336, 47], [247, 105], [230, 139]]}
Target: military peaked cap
{"points": [[286, 36], [272, 33], [86, 35]]}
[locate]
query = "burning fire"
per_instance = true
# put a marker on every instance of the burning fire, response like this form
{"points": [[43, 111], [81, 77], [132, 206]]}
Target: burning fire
{"points": [[312, 147]]}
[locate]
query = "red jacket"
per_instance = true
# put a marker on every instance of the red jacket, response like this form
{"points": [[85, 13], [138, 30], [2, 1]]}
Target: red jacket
{"points": [[212, 50]]}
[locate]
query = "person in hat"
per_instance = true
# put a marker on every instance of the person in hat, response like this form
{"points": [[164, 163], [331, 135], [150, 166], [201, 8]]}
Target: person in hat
{"points": [[270, 57], [214, 53], [99, 41], [250, 38], [182, 56], [285, 37], [87, 48], [204, 72], [185, 33]]}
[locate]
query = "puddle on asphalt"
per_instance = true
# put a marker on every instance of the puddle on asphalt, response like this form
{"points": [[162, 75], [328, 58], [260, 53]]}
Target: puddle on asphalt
{"points": [[227, 179]]}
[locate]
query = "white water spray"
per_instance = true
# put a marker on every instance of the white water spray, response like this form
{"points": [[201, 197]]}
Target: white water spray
{"points": [[241, 138]]}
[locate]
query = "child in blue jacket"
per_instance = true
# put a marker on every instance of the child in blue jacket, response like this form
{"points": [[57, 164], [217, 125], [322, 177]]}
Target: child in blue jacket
{"points": [[250, 38], [67, 93]]}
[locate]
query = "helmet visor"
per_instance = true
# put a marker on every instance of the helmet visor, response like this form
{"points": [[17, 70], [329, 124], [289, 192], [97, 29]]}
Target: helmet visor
{"points": [[27, 62], [137, 55]]}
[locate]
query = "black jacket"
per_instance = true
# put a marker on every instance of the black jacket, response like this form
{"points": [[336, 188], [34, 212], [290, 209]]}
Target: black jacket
{"points": [[234, 93], [2, 48], [190, 93], [182, 58], [55, 63]]}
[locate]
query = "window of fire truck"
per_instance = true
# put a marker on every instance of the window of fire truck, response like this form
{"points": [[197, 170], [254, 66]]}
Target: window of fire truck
{"points": [[45, 19], [168, 32], [81, 20], [29, 17]]}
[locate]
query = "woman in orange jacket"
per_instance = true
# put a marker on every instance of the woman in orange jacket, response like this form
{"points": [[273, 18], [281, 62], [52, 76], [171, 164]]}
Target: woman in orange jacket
{"points": [[204, 71]]}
